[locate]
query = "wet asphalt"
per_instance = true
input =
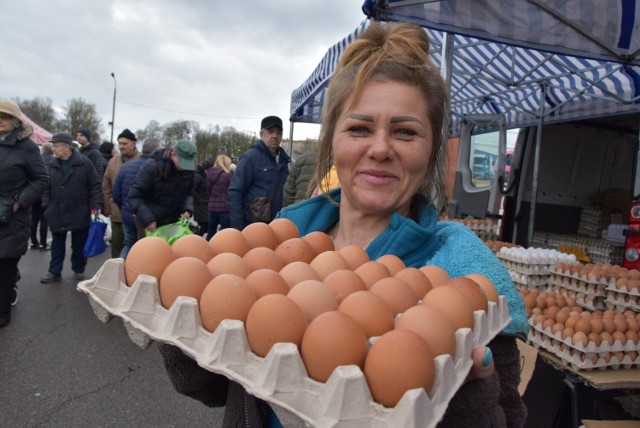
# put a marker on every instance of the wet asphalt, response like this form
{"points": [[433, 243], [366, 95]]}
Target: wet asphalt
{"points": [[62, 367]]}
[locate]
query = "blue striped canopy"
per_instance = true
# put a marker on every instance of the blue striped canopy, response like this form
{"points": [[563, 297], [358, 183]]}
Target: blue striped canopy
{"points": [[503, 73]]}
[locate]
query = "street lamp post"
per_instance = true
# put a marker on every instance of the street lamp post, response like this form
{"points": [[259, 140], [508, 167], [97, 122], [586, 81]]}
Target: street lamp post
{"points": [[113, 110]]}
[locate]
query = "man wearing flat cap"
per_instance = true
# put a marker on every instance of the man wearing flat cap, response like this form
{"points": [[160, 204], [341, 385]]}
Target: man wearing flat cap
{"points": [[23, 178], [73, 192], [127, 145], [255, 192]]}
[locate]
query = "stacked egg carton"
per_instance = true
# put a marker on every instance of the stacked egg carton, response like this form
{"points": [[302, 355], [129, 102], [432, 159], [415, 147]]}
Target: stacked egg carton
{"points": [[583, 356], [592, 222], [597, 250], [486, 230], [281, 378], [575, 280], [495, 246], [624, 292], [529, 267]]}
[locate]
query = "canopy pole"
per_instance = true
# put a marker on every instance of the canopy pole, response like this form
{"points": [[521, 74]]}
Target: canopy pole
{"points": [[536, 165], [290, 139], [445, 71]]}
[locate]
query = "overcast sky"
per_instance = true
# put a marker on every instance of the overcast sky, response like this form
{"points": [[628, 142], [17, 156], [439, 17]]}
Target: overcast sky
{"points": [[226, 63]]}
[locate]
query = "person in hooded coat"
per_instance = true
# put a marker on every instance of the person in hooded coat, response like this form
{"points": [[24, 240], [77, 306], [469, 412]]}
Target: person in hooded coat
{"points": [[23, 178]]}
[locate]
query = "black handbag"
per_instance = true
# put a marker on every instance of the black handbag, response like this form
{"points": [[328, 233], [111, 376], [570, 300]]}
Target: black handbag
{"points": [[6, 209]]}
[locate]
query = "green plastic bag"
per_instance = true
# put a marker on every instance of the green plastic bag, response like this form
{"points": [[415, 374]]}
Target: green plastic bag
{"points": [[172, 232]]}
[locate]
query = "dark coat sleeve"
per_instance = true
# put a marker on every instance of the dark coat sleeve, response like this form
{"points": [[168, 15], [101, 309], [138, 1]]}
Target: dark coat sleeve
{"points": [[238, 188], [188, 378], [142, 185], [95, 187], [494, 401]]}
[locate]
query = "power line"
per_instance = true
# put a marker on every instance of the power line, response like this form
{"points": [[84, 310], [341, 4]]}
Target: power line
{"points": [[187, 112]]}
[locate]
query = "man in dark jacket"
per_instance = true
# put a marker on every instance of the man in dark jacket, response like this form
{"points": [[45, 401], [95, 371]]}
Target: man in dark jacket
{"points": [[23, 178], [74, 191], [90, 150], [161, 192], [260, 176], [124, 181]]}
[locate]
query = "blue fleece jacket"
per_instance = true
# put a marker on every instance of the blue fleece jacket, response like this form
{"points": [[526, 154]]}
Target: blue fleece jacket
{"points": [[451, 246]]}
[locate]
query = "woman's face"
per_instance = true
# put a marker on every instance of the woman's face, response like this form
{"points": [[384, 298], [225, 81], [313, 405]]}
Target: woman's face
{"points": [[6, 123], [381, 148]]}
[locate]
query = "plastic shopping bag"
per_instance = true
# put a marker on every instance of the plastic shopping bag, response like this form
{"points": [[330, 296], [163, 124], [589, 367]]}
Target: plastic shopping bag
{"points": [[173, 231], [95, 241]]}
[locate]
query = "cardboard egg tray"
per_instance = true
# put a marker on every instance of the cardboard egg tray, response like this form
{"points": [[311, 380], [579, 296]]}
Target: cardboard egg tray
{"points": [[582, 358], [526, 268], [621, 301], [281, 378], [529, 280], [585, 300]]}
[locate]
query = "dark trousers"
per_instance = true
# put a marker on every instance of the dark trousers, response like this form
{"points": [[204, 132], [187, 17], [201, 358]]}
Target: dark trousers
{"points": [[117, 238], [8, 276], [58, 247], [130, 238], [215, 219], [38, 224]]}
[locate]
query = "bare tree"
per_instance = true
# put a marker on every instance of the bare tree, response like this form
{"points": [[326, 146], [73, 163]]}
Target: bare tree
{"points": [[40, 110], [78, 114]]}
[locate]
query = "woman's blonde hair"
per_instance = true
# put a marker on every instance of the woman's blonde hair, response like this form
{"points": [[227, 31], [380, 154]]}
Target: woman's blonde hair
{"points": [[224, 162], [397, 52]]}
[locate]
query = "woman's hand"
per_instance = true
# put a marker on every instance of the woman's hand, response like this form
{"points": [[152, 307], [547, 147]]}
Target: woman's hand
{"points": [[482, 363]]}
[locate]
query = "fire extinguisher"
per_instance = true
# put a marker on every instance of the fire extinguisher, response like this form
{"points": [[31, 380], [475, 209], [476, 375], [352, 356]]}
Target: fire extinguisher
{"points": [[632, 241]]}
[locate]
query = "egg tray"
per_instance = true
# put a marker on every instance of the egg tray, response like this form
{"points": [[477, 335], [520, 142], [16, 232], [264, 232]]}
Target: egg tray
{"points": [[587, 279], [581, 360], [624, 290], [622, 302], [533, 256], [281, 378], [579, 287], [584, 300], [531, 280], [521, 286], [526, 268], [591, 347]]}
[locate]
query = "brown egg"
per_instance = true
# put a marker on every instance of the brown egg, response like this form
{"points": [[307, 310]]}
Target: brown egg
{"points": [[344, 282], [487, 286], [548, 323], [228, 263], [453, 303], [552, 312], [632, 336], [260, 235], [562, 317], [583, 325], [314, 298], [396, 293], [597, 326], [557, 328], [398, 361], [186, 276], [372, 271], [596, 338], [621, 323], [266, 281], [226, 296], [606, 338], [319, 241], [609, 324], [148, 256], [473, 291], [328, 261], [632, 324], [568, 332], [262, 258], [417, 280], [229, 240], [436, 275], [572, 320], [433, 326], [579, 338], [274, 318], [295, 250], [296, 272], [193, 246], [620, 336], [369, 311], [530, 301], [354, 256], [392, 262], [332, 339], [284, 229]]}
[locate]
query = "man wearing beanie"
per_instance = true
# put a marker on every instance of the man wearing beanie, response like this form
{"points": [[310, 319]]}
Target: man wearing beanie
{"points": [[128, 151], [256, 189], [23, 178], [90, 150]]}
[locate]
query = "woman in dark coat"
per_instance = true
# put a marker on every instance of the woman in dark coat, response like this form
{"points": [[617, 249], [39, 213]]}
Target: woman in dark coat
{"points": [[201, 197], [218, 179], [23, 178], [74, 191], [161, 192]]}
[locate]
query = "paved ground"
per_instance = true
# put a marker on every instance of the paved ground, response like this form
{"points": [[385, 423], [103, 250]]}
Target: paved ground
{"points": [[61, 367]]}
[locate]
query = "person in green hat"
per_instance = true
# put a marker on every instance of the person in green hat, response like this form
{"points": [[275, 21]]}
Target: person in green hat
{"points": [[161, 193]]}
